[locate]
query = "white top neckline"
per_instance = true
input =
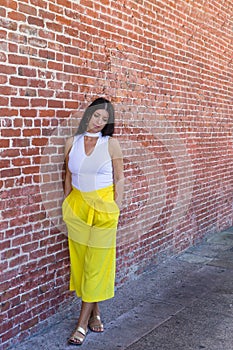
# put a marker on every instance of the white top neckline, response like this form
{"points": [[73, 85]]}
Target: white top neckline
{"points": [[84, 151], [93, 134]]}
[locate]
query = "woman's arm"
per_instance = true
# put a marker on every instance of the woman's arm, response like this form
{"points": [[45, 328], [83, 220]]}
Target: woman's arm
{"points": [[68, 185], [118, 175]]}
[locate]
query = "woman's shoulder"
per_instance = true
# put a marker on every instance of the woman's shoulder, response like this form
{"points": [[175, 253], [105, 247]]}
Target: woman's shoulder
{"points": [[114, 146], [113, 141], [68, 144], [70, 140]]}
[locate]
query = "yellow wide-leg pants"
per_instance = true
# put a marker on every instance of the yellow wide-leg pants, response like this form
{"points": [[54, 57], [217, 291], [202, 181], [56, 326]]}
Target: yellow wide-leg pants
{"points": [[91, 219]]}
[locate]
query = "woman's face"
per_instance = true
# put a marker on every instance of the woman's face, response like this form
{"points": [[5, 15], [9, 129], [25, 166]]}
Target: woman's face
{"points": [[98, 120]]}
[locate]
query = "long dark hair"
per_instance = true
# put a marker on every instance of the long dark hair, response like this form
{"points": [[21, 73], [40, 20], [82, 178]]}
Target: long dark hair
{"points": [[99, 103]]}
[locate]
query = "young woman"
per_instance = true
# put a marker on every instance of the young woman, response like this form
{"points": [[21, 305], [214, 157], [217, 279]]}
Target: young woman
{"points": [[93, 194]]}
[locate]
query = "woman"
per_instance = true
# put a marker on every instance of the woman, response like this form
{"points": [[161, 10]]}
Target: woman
{"points": [[93, 195]]}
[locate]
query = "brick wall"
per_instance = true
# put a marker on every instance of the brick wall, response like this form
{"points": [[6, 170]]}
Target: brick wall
{"points": [[167, 66]]}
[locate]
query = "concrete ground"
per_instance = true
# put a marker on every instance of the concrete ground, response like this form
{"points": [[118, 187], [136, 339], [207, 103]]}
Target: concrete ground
{"points": [[186, 303]]}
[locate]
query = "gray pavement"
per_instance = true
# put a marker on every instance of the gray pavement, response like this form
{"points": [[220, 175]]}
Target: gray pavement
{"points": [[186, 303]]}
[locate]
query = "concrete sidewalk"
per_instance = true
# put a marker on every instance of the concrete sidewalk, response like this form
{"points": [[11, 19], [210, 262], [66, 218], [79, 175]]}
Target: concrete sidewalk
{"points": [[186, 303]]}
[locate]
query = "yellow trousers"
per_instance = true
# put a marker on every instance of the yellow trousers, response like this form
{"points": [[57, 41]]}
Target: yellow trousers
{"points": [[91, 219]]}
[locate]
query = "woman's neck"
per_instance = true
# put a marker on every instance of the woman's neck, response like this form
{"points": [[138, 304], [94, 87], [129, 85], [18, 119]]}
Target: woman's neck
{"points": [[92, 134]]}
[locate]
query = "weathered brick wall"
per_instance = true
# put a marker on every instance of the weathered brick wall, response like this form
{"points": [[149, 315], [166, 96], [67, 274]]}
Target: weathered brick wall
{"points": [[167, 66]]}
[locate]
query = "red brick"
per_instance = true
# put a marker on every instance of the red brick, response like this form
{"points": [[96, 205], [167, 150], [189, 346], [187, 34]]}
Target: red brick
{"points": [[18, 81], [47, 35], [46, 15], [23, 71], [54, 27], [2, 12], [36, 21], [39, 102], [10, 172], [18, 122], [15, 59], [47, 54], [31, 132], [4, 163], [2, 57], [55, 66], [37, 62], [39, 141], [55, 9], [37, 42], [87, 3], [45, 93], [11, 132], [30, 170], [37, 83], [3, 34], [19, 102], [28, 92], [21, 161], [15, 37], [63, 20], [28, 50], [30, 10], [4, 101], [63, 39], [29, 151], [5, 90], [5, 23], [39, 3], [16, 16], [7, 70], [55, 104], [66, 3], [71, 104]]}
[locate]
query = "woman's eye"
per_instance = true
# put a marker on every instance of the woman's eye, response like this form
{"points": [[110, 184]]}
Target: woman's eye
{"points": [[97, 116]]}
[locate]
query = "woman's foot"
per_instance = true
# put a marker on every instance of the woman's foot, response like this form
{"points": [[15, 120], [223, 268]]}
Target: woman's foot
{"points": [[95, 324], [78, 336]]}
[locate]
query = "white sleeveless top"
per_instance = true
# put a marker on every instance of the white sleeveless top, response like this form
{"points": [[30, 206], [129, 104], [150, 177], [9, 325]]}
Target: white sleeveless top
{"points": [[93, 172]]}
